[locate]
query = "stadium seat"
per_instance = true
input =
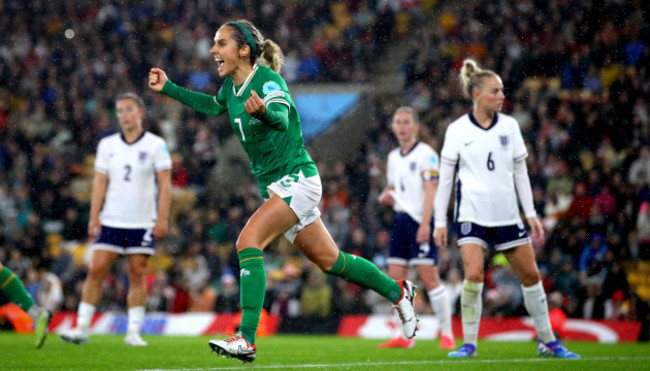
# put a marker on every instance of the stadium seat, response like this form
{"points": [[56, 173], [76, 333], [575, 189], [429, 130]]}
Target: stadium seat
{"points": [[644, 292], [644, 267], [635, 278]]}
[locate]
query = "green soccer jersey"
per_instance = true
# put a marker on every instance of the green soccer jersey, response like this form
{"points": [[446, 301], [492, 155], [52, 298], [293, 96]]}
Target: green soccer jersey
{"points": [[275, 148]]}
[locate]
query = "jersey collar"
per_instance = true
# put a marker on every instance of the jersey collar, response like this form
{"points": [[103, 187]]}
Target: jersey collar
{"points": [[473, 120], [135, 141], [410, 150], [245, 84]]}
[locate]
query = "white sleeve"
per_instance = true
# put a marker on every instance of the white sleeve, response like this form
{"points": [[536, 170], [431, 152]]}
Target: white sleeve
{"points": [[162, 159], [443, 194], [429, 165], [101, 159], [520, 151], [522, 183], [389, 172], [450, 150]]}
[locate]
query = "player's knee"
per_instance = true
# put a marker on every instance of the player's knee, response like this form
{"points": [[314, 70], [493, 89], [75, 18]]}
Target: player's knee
{"points": [[137, 271], [245, 241], [324, 262], [97, 272], [474, 276], [530, 278], [325, 266]]}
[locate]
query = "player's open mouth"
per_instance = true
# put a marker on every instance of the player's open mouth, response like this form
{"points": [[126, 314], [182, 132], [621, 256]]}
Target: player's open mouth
{"points": [[220, 63]]}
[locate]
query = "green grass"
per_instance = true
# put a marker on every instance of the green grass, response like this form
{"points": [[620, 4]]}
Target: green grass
{"points": [[105, 352]]}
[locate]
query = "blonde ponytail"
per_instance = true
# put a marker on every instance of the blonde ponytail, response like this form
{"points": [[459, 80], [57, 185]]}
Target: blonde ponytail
{"points": [[471, 77], [272, 56]]}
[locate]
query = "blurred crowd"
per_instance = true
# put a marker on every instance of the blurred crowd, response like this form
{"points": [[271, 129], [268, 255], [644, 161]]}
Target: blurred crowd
{"points": [[575, 71]]}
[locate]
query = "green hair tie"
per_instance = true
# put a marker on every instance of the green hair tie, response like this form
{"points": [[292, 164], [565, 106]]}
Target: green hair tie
{"points": [[248, 36]]}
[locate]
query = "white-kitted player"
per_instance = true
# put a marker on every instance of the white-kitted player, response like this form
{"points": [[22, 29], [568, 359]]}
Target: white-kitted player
{"points": [[129, 208], [412, 179], [488, 150]]}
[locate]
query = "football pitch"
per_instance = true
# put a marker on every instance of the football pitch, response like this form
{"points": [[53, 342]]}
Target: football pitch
{"points": [[293, 352]]}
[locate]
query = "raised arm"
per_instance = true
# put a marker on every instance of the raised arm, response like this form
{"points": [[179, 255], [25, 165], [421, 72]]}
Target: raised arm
{"points": [[204, 103]]}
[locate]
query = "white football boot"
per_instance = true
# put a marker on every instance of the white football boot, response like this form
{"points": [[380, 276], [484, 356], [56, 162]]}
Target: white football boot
{"points": [[405, 310], [134, 339], [235, 347], [75, 336]]}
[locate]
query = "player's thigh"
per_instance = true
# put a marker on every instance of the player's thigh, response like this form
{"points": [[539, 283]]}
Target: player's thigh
{"points": [[522, 260], [315, 242], [271, 220], [473, 256]]}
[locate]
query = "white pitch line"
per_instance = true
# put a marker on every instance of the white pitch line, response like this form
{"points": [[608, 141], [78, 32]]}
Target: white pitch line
{"points": [[406, 363]]}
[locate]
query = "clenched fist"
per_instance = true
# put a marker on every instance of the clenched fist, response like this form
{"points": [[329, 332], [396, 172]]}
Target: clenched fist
{"points": [[157, 79]]}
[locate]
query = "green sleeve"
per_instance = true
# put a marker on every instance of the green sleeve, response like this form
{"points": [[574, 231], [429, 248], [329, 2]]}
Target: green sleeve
{"points": [[201, 102], [277, 116]]}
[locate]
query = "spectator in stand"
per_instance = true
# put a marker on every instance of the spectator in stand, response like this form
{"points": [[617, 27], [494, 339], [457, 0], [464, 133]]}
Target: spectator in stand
{"points": [[581, 204], [227, 295], [593, 255], [640, 168], [606, 200], [316, 296], [567, 280], [643, 230]]}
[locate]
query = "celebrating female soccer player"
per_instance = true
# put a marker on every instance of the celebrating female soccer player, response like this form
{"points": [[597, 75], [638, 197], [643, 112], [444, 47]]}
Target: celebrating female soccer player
{"points": [[488, 149], [265, 120], [127, 168], [412, 173]]}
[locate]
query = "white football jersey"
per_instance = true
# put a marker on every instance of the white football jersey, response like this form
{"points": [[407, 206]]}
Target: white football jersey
{"points": [[132, 193], [406, 175], [485, 187]]}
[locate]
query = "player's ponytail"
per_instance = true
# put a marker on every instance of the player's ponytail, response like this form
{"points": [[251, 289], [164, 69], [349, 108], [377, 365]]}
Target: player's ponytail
{"points": [[471, 77], [272, 56], [263, 51]]}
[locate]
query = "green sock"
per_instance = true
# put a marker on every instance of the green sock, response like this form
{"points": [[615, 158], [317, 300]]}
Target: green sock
{"points": [[11, 286], [365, 274], [252, 289]]}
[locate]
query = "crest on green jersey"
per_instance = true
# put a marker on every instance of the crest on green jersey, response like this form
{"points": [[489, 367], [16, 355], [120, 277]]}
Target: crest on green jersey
{"points": [[270, 87]]}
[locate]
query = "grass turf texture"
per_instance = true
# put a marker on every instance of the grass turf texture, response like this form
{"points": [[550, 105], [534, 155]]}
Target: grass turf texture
{"points": [[288, 352]]}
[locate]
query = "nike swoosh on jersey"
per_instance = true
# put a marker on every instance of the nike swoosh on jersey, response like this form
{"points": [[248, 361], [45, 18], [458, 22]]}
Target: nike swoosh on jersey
{"points": [[468, 143]]}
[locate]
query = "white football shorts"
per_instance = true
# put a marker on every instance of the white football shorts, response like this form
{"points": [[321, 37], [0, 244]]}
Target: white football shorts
{"points": [[302, 195]]}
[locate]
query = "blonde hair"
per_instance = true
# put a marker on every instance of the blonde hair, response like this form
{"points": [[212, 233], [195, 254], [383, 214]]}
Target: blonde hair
{"points": [[133, 96], [471, 77], [410, 110], [267, 52]]}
